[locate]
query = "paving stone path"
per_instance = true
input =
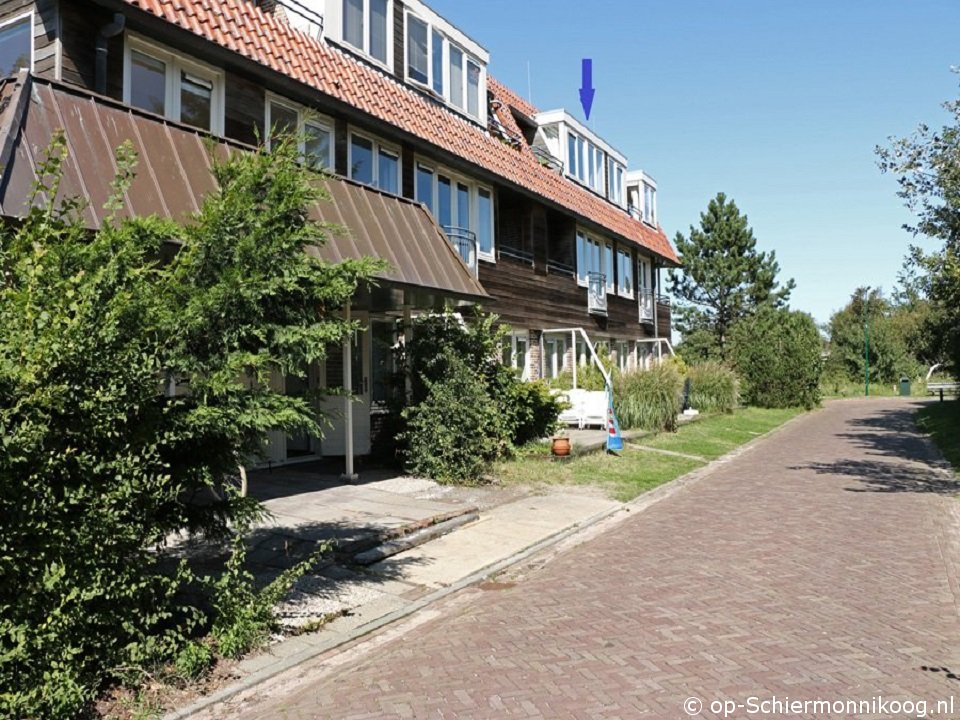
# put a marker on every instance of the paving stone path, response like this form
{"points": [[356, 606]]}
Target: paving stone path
{"points": [[821, 564]]}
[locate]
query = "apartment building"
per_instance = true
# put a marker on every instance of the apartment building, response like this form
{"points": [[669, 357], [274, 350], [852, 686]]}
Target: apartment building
{"points": [[471, 193]]}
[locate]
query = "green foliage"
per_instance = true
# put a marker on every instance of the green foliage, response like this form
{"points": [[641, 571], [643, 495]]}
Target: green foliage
{"points": [[714, 388], [589, 376], [458, 430], [649, 399], [724, 278], [532, 411], [927, 166], [194, 660], [891, 332], [777, 354], [940, 420], [98, 466]]}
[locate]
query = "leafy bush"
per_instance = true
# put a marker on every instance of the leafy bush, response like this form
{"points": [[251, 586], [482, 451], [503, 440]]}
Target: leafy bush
{"points": [[589, 376], [713, 387], [454, 434], [649, 399], [778, 356], [98, 466], [194, 660], [533, 411]]}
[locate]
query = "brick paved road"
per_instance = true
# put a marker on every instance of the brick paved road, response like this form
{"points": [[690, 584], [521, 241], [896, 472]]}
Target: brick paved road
{"points": [[812, 566]]}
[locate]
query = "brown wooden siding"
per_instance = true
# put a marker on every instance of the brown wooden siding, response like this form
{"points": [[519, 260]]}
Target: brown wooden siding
{"points": [[80, 25], [408, 177], [399, 57], [341, 138]]}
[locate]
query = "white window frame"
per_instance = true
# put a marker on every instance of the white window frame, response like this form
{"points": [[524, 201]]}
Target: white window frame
{"points": [[474, 187], [175, 64], [28, 16], [590, 242], [467, 58], [644, 281], [367, 31], [649, 203], [305, 117], [378, 145], [512, 339], [609, 262], [625, 263]]}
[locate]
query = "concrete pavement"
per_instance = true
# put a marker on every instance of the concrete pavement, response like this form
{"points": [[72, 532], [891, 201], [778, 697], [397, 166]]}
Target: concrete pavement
{"points": [[821, 566]]}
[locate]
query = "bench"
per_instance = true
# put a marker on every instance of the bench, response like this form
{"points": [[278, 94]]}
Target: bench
{"points": [[587, 408], [943, 387]]}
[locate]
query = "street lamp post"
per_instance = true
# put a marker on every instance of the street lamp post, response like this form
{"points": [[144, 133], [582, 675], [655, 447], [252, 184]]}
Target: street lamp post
{"points": [[866, 342]]}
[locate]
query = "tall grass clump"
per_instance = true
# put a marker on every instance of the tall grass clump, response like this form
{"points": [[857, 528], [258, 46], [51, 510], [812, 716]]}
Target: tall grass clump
{"points": [[714, 388], [649, 399]]}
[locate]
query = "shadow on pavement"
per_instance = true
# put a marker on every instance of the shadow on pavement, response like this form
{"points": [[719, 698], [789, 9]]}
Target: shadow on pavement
{"points": [[900, 458]]}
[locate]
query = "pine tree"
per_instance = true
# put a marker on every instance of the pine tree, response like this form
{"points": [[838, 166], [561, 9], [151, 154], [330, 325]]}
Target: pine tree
{"points": [[724, 278]]}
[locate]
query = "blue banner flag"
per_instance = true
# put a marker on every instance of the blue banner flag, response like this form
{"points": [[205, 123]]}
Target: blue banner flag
{"points": [[614, 439]]}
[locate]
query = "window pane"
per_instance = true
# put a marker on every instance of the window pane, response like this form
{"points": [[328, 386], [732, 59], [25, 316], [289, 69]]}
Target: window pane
{"points": [[473, 89], [581, 257], [353, 23], [148, 83], [317, 143], [591, 171], [15, 47], [425, 186], [416, 49], [378, 29], [361, 160], [572, 154], [196, 100], [608, 266], [463, 206], [580, 160], [388, 172], [444, 201], [437, 50], [456, 76], [282, 120], [485, 221]]}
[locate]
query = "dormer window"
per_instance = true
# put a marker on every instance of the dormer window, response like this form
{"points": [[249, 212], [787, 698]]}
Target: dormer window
{"points": [[649, 204], [16, 38], [365, 27], [444, 67]]}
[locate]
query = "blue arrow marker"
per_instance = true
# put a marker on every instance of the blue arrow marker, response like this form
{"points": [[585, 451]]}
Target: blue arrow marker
{"points": [[586, 87]]}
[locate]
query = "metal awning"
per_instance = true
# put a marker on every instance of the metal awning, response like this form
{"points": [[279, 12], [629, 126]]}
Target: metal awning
{"points": [[174, 174]]}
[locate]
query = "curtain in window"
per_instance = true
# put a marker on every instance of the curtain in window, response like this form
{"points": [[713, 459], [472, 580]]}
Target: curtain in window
{"points": [[456, 76], [353, 23], [417, 63], [378, 29]]}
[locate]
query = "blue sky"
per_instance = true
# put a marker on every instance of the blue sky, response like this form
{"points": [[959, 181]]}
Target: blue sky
{"points": [[777, 103]]}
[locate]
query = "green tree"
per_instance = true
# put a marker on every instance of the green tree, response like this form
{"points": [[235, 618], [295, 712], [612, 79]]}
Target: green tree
{"points": [[892, 329], [778, 355], [99, 466], [724, 277], [927, 166]]}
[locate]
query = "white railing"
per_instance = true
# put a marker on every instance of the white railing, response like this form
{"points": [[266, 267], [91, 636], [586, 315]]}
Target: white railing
{"points": [[465, 241], [596, 293], [645, 303]]}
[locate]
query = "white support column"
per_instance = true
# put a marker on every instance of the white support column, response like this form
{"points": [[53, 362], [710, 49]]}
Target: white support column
{"points": [[349, 475], [576, 357]]}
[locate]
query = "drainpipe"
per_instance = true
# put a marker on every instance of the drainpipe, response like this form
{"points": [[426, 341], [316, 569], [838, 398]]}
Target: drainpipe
{"points": [[110, 30]]}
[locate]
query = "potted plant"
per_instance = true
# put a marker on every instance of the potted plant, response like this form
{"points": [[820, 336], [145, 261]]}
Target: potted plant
{"points": [[560, 444]]}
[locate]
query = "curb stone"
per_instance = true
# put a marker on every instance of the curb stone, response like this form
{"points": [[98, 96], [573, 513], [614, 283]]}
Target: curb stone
{"points": [[614, 515]]}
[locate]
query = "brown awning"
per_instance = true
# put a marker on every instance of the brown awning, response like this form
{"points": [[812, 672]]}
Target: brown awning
{"points": [[174, 173]]}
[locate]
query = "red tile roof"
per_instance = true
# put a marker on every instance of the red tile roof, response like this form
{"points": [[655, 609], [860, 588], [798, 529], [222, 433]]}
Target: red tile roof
{"points": [[246, 29]]}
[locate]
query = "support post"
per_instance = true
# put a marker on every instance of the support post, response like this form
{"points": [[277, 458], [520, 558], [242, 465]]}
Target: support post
{"points": [[407, 339], [576, 359], [349, 474]]}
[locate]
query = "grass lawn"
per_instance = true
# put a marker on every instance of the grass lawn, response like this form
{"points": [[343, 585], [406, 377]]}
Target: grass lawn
{"points": [[636, 470], [941, 420]]}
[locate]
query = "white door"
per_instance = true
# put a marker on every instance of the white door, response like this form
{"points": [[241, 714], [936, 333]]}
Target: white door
{"points": [[332, 375]]}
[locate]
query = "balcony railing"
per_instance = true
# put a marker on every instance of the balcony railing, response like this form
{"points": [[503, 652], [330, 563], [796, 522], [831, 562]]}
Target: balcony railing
{"points": [[517, 254], [596, 293], [547, 159], [663, 300], [645, 302], [465, 241]]}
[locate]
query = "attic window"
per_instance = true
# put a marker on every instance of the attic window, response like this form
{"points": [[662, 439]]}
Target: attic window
{"points": [[365, 27], [15, 45]]}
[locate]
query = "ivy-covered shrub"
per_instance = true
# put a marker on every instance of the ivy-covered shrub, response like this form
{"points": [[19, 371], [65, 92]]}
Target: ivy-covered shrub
{"points": [[649, 399], [457, 430], [778, 355], [714, 388], [532, 411], [98, 466]]}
